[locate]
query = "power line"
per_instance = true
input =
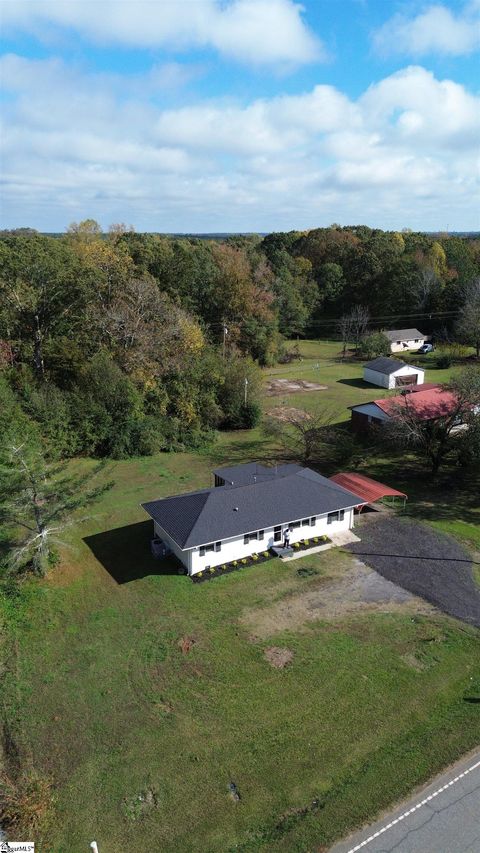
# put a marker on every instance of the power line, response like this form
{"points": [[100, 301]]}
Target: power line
{"points": [[429, 315]]}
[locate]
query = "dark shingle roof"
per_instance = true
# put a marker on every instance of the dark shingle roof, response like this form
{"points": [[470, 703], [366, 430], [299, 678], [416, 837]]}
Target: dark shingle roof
{"points": [[209, 515], [388, 365], [404, 335], [250, 472]]}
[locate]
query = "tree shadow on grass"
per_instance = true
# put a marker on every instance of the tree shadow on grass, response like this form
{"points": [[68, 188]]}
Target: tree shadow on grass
{"points": [[125, 553], [235, 452]]}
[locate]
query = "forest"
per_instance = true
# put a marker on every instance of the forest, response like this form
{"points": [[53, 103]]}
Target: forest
{"points": [[119, 343]]}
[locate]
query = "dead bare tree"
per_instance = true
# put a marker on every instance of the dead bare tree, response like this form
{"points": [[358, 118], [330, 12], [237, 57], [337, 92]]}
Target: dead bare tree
{"points": [[304, 436], [353, 327], [344, 328]]}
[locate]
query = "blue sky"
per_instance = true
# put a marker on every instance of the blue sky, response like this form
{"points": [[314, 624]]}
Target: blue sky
{"points": [[201, 115]]}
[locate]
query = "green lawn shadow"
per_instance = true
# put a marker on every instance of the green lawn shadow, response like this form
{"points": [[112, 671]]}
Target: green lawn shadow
{"points": [[356, 383], [124, 553]]}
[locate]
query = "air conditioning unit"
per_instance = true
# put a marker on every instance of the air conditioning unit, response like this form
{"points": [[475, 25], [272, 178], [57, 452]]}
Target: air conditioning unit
{"points": [[159, 548]]}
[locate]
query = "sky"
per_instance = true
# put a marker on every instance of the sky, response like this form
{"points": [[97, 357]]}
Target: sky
{"points": [[240, 115]]}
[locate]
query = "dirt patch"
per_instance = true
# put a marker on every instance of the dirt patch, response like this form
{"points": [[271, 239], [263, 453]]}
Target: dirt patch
{"points": [[277, 657], [288, 413], [411, 660], [186, 644], [277, 387], [136, 807], [359, 589]]}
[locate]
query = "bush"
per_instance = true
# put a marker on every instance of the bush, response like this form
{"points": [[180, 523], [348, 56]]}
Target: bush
{"points": [[444, 361], [250, 415], [374, 345]]}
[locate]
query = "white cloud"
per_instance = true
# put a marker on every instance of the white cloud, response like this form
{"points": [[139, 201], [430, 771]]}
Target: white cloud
{"points": [[252, 31], [78, 144], [435, 30]]}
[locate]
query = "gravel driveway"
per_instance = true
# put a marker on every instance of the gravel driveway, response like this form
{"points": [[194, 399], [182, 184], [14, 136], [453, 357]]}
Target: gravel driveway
{"points": [[422, 560]]}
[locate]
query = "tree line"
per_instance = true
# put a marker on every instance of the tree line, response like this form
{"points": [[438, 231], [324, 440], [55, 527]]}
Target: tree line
{"points": [[121, 343]]}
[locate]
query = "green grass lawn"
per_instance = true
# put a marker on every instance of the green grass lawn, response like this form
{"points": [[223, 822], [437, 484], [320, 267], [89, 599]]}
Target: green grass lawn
{"points": [[322, 363], [99, 697]]}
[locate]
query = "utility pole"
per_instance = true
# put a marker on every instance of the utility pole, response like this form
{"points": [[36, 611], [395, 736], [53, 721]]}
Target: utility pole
{"points": [[225, 333], [246, 390]]}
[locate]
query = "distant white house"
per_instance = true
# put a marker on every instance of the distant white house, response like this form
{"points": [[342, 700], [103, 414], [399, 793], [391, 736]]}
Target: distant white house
{"points": [[391, 373], [404, 339], [247, 511]]}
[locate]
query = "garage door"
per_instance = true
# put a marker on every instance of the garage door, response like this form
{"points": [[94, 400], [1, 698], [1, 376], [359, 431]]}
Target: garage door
{"points": [[411, 379]]}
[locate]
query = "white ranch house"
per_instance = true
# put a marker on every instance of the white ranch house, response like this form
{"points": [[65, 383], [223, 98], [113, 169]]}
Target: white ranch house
{"points": [[391, 373], [247, 511], [405, 339]]}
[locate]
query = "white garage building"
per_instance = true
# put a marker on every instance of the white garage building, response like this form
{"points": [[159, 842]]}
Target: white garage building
{"points": [[392, 373]]}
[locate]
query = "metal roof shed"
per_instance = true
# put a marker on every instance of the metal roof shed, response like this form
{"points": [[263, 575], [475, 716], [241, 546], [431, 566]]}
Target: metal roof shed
{"points": [[367, 489]]}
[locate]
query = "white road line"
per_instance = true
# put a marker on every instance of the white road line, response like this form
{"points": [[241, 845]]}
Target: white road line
{"points": [[414, 808]]}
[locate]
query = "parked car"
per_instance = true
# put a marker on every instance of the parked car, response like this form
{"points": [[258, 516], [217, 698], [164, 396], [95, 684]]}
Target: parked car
{"points": [[426, 348]]}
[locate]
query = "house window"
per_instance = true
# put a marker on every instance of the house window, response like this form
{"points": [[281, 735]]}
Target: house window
{"points": [[294, 524], [335, 516], [398, 343], [258, 534], [204, 549], [313, 521], [218, 546], [277, 533], [416, 340], [305, 522]]}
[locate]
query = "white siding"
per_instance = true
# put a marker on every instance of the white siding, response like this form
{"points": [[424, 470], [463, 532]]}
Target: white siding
{"points": [[371, 410], [385, 380], [183, 556], [375, 378], [406, 345], [235, 549]]}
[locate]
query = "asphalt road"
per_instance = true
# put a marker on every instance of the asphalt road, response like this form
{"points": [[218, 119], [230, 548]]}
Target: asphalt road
{"points": [[443, 817]]}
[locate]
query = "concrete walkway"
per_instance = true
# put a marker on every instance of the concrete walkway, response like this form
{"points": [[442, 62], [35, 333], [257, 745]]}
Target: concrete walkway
{"points": [[345, 537], [444, 817]]}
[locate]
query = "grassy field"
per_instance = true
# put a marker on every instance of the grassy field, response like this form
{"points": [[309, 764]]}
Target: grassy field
{"points": [[322, 363], [100, 698]]}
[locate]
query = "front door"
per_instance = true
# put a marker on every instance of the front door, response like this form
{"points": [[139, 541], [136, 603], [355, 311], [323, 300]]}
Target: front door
{"points": [[277, 533]]}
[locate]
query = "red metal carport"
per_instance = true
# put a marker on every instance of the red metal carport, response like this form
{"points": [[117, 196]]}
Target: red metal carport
{"points": [[367, 489]]}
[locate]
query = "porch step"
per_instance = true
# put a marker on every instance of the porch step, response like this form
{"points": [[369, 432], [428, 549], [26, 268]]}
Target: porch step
{"points": [[283, 553]]}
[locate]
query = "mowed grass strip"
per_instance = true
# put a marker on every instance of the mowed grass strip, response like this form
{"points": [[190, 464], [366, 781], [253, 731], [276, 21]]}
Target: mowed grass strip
{"points": [[101, 698]]}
